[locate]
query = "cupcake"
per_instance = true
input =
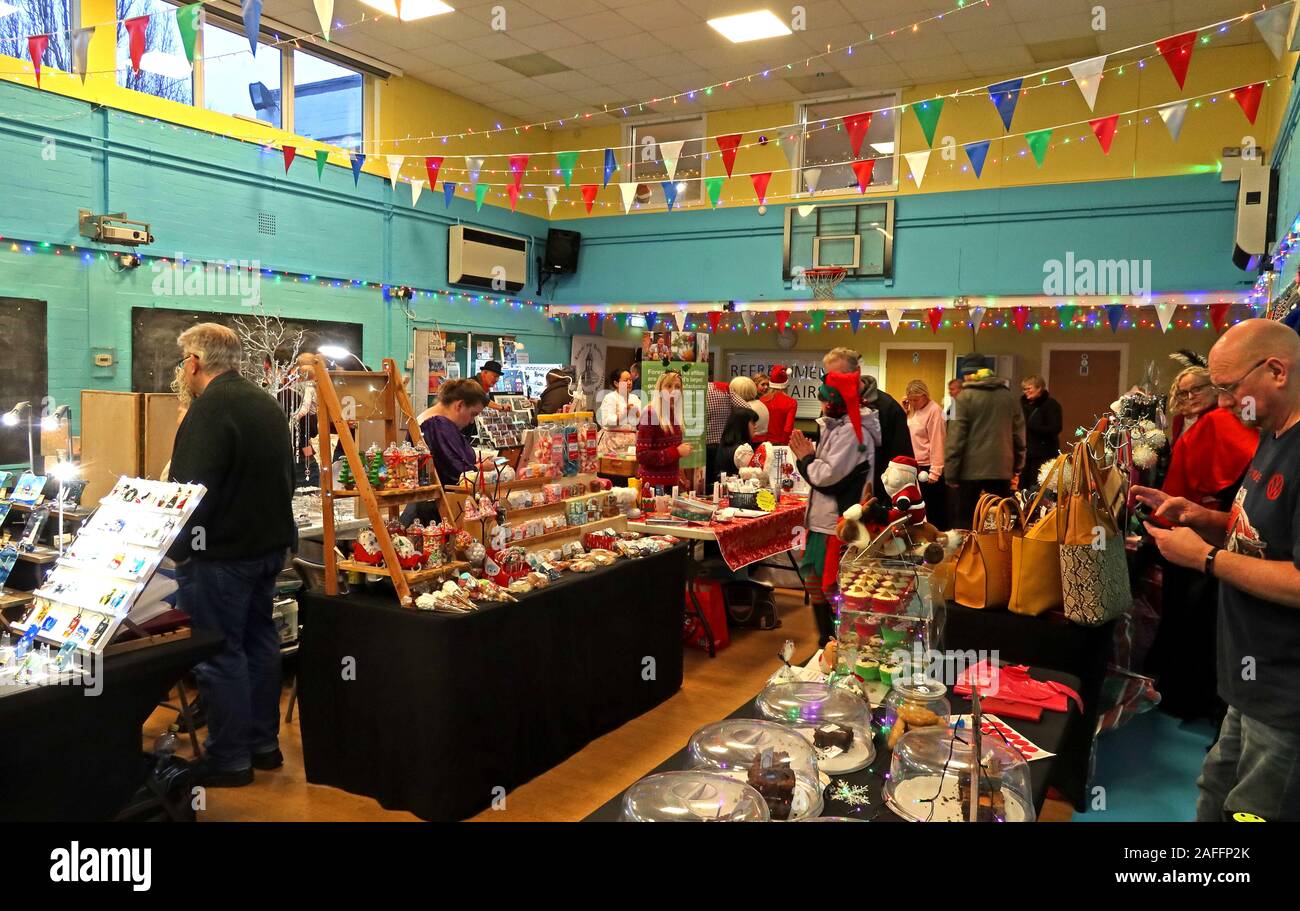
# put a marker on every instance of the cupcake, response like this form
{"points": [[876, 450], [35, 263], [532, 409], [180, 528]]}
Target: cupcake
{"points": [[857, 598], [888, 672], [894, 634], [867, 669], [886, 603]]}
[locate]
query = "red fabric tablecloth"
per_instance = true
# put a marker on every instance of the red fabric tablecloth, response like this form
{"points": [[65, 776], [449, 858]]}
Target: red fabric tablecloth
{"points": [[746, 541]]}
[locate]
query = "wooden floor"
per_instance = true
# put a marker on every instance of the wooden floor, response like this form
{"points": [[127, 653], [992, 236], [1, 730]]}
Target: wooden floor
{"points": [[713, 688]]}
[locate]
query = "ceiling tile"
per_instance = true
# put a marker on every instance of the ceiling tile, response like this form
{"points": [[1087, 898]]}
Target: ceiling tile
{"points": [[547, 37], [496, 46], [940, 69], [565, 9], [650, 16], [664, 64], [488, 72], [600, 26], [635, 47], [585, 55], [564, 82]]}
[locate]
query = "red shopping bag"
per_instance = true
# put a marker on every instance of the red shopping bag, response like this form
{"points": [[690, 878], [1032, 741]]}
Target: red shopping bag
{"points": [[708, 592]]}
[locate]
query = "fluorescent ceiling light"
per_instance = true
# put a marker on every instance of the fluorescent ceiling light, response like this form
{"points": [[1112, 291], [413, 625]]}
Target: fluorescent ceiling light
{"points": [[411, 9], [750, 26], [173, 66], [884, 148]]}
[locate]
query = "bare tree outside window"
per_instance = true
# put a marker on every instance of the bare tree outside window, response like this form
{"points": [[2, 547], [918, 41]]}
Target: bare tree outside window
{"points": [[162, 41], [37, 17]]}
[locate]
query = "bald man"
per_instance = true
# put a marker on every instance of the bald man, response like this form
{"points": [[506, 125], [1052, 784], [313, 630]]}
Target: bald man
{"points": [[1254, 551]]}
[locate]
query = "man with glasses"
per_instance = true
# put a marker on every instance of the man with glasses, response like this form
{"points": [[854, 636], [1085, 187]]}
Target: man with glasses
{"points": [[1254, 552]]}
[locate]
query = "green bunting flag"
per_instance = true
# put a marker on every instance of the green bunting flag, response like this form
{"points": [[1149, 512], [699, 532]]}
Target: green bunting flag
{"points": [[322, 156], [187, 20], [818, 318], [480, 193], [1067, 312], [713, 186], [1037, 142], [927, 115], [568, 161]]}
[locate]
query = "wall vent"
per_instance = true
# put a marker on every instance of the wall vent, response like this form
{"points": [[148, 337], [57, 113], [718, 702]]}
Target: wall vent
{"points": [[266, 223]]}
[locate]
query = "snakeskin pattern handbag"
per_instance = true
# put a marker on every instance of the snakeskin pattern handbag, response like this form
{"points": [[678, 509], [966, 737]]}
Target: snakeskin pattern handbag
{"points": [[1094, 570]]}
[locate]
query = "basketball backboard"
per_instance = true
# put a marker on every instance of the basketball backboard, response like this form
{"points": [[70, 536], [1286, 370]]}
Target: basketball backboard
{"points": [[856, 236]]}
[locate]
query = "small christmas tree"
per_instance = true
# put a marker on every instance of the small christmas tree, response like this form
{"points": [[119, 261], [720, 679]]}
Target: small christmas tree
{"points": [[374, 469], [345, 475]]}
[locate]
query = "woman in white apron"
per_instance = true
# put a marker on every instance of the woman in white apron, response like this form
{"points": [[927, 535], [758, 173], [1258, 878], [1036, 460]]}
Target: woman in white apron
{"points": [[620, 411]]}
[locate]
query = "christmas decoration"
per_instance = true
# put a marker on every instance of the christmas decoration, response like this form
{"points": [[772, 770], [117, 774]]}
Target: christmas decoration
{"points": [[1104, 130], [728, 145], [857, 126], [1005, 96], [1087, 76], [1037, 141], [1177, 52], [927, 115], [976, 152], [346, 479]]}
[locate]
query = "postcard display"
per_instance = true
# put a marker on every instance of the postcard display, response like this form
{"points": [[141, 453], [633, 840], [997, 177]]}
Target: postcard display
{"points": [[93, 586]]}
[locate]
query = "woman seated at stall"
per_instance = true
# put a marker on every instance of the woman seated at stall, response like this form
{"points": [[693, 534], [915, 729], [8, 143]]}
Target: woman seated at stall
{"points": [[459, 403], [620, 412], [737, 439], [659, 446]]}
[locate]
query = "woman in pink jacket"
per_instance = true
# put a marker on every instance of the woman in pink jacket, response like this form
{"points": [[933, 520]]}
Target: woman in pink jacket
{"points": [[926, 425]]}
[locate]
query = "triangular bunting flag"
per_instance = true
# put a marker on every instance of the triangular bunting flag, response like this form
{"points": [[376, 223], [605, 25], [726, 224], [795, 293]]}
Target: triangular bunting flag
{"points": [[918, 162], [627, 189], [857, 125], [1173, 116], [760, 182], [81, 49], [1272, 26], [650, 317], [589, 191], [289, 153], [818, 320], [715, 320], [863, 170], [1219, 315], [324, 13], [1087, 76], [1038, 140], [1066, 314], [1021, 317], [747, 319], [669, 152], [1104, 130], [552, 197], [432, 165], [518, 167], [927, 115], [322, 156], [252, 10], [36, 45], [977, 317], [977, 152], [811, 178], [782, 320], [480, 194], [728, 146], [357, 159], [1248, 97], [567, 162], [790, 148], [1165, 313], [136, 28], [855, 319], [713, 187], [1114, 314], [395, 168], [1005, 96], [448, 191], [1177, 52], [513, 192], [593, 322], [670, 193], [473, 166], [935, 317], [611, 165], [417, 187], [895, 316], [187, 21]]}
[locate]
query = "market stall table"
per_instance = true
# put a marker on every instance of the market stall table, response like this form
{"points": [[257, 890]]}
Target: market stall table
{"points": [[1051, 733], [440, 714]]}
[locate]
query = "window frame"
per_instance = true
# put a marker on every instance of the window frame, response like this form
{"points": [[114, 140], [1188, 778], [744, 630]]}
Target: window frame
{"points": [[895, 99], [631, 146], [74, 19]]}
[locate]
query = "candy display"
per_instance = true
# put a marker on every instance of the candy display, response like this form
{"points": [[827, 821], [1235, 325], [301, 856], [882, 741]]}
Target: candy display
{"points": [[930, 778]]}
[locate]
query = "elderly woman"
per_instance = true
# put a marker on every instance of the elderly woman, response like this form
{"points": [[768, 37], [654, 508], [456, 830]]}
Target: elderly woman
{"points": [[744, 394], [926, 425], [1212, 447]]}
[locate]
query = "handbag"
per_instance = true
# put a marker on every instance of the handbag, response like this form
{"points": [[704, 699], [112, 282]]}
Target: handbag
{"points": [[1036, 555], [1111, 477], [1094, 569], [983, 576]]}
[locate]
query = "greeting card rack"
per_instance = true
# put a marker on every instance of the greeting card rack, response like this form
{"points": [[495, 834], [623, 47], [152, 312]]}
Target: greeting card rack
{"points": [[347, 398]]}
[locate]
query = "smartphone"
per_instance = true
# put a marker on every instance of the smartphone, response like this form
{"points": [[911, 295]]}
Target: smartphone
{"points": [[1144, 513]]}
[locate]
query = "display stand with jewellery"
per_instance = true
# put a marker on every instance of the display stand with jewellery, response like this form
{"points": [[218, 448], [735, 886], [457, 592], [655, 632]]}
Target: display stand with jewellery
{"points": [[349, 399]]}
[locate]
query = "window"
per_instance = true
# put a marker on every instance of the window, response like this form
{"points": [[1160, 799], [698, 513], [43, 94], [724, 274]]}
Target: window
{"points": [[826, 142], [646, 162], [164, 69], [236, 82], [37, 17], [327, 101]]}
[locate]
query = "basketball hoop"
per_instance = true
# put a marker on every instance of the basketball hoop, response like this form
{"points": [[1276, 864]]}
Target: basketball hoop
{"points": [[823, 280]]}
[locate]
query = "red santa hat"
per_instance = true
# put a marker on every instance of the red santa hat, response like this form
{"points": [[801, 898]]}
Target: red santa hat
{"points": [[779, 378], [840, 391], [907, 463]]}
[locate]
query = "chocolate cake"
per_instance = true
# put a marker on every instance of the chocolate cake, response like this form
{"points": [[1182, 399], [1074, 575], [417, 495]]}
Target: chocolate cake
{"points": [[833, 735], [771, 776]]}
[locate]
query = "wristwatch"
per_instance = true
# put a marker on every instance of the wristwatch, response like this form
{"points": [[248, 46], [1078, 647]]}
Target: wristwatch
{"points": [[1209, 560]]}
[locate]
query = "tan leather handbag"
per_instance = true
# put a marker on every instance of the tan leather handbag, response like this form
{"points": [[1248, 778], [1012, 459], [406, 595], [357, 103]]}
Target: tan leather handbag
{"points": [[1036, 555], [983, 576], [1110, 477], [1094, 568]]}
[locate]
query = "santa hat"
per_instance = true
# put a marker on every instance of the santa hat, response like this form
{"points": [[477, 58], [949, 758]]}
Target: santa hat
{"points": [[841, 391], [907, 463], [779, 377]]}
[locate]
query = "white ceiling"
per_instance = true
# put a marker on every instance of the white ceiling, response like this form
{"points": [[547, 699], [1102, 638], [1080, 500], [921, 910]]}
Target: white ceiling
{"points": [[625, 50]]}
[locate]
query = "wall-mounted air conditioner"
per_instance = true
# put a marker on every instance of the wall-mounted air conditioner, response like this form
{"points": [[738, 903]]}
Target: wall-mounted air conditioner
{"points": [[478, 258]]}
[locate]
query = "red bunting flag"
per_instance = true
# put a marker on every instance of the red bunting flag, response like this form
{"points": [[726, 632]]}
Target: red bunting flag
{"points": [[36, 45], [935, 316], [857, 125], [1104, 129], [589, 191], [760, 185], [1219, 315], [1177, 52], [715, 319], [782, 320], [728, 146], [863, 171], [136, 28], [513, 192], [518, 165], [1021, 316], [432, 164], [1248, 97], [289, 153], [593, 320]]}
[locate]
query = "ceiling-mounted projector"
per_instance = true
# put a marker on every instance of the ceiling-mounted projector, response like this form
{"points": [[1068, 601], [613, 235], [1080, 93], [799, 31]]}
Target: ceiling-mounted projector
{"points": [[115, 229]]}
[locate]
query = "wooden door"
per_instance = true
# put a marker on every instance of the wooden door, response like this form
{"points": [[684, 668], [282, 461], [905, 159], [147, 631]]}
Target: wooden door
{"points": [[929, 365], [1085, 381]]}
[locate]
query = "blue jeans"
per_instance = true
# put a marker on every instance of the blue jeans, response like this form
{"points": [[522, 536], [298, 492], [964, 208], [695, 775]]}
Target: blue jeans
{"points": [[240, 685], [1254, 768]]}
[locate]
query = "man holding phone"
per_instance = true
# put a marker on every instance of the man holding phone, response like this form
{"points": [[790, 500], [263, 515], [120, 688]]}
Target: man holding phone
{"points": [[1254, 551]]}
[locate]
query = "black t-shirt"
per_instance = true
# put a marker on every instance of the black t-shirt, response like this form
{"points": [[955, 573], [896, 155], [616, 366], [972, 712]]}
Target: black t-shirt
{"points": [[1259, 641]]}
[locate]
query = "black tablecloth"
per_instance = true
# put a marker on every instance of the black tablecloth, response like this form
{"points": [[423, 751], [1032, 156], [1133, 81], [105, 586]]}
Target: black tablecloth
{"points": [[1047, 641], [1051, 733], [446, 712], [70, 755]]}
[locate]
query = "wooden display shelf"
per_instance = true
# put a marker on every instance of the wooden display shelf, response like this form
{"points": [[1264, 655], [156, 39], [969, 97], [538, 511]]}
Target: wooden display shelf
{"points": [[532, 510], [42, 555], [524, 484], [15, 599], [391, 496], [412, 576], [568, 531]]}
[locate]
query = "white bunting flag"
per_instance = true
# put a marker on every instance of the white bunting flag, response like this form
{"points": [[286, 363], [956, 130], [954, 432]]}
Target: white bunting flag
{"points": [[1087, 76], [670, 152], [552, 197], [748, 319], [1172, 115], [1272, 25], [417, 187], [1165, 313], [977, 317], [805, 211], [473, 164], [395, 168], [895, 315], [917, 162], [790, 147], [628, 191], [811, 178], [80, 49], [324, 13]]}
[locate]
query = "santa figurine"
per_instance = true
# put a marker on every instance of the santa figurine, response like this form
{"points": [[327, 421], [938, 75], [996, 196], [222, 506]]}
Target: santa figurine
{"points": [[902, 481]]}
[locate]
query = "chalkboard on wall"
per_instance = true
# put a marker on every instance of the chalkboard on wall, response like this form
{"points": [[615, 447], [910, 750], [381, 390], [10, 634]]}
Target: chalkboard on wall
{"points": [[23, 371], [154, 331]]}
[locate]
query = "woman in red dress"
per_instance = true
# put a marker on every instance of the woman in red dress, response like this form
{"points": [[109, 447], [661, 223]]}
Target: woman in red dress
{"points": [[659, 446], [1212, 447]]}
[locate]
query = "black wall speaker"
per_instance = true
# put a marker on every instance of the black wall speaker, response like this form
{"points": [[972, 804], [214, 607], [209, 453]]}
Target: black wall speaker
{"points": [[561, 252]]}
